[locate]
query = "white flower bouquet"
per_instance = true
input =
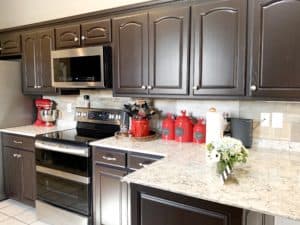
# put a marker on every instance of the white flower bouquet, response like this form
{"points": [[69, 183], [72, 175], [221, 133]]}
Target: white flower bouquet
{"points": [[226, 153]]}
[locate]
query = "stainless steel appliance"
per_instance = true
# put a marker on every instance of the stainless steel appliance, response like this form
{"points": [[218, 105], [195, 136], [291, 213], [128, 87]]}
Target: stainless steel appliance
{"points": [[88, 67], [16, 109], [64, 167]]}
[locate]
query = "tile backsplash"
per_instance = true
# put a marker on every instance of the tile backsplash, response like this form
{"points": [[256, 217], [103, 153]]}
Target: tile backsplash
{"points": [[288, 135]]}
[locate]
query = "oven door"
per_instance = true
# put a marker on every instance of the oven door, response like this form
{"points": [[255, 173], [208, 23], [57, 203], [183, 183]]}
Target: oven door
{"points": [[64, 190], [79, 67]]}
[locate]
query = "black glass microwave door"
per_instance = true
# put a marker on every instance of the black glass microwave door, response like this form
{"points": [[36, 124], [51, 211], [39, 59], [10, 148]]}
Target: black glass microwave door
{"points": [[77, 69], [78, 165], [64, 193]]}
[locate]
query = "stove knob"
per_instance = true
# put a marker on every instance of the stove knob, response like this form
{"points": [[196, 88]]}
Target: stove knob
{"points": [[84, 114], [78, 114]]}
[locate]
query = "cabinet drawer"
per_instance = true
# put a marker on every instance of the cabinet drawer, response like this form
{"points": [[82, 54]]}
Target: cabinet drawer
{"points": [[136, 162], [110, 157], [21, 142]]}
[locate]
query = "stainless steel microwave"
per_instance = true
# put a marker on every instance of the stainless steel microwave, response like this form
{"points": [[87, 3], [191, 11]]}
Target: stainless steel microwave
{"points": [[88, 67]]}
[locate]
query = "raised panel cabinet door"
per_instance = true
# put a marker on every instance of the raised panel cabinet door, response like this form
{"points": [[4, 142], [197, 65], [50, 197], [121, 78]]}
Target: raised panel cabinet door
{"points": [[130, 52], [27, 162], [168, 48], [12, 174], [10, 44], [45, 39], [275, 48], [152, 206], [29, 58], [67, 36], [96, 32], [218, 48], [110, 196]]}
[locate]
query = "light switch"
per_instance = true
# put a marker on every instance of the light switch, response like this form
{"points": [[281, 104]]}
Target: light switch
{"points": [[69, 107], [265, 119], [277, 120]]}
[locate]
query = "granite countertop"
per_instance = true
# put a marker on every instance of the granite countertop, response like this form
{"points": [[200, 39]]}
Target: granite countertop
{"points": [[32, 131], [269, 183]]}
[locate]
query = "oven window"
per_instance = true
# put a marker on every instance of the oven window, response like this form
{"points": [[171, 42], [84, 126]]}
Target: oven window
{"points": [[77, 69], [78, 165], [64, 193]]}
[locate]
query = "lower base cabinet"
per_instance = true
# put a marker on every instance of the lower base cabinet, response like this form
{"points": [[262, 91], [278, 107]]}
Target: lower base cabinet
{"points": [[152, 206]]}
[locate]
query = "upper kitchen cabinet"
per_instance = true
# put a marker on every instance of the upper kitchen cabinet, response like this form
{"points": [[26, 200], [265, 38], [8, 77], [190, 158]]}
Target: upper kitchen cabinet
{"points": [[36, 59], [88, 33], [130, 52], [10, 44], [151, 52], [168, 51], [218, 48], [274, 51]]}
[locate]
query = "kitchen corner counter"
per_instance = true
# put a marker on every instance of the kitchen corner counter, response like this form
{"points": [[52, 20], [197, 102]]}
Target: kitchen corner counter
{"points": [[32, 131], [269, 183]]}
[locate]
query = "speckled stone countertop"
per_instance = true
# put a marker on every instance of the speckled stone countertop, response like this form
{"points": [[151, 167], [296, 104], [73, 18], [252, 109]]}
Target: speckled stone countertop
{"points": [[32, 131], [268, 183]]}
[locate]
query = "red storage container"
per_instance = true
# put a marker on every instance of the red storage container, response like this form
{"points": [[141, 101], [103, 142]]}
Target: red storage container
{"points": [[183, 128], [168, 128], [140, 127], [199, 132]]}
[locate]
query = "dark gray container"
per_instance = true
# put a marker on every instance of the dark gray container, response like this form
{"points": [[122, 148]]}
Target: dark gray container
{"points": [[242, 129]]}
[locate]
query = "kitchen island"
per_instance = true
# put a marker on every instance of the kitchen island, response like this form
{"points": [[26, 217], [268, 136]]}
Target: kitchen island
{"points": [[269, 182]]}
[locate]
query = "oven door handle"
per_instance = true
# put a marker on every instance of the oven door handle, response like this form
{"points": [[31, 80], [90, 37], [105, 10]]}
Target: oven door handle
{"points": [[68, 149], [64, 175]]}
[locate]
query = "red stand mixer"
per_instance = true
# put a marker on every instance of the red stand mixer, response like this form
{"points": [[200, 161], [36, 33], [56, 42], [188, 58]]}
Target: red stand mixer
{"points": [[45, 113]]}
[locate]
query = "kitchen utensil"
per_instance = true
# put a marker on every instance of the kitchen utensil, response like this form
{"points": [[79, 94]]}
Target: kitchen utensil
{"points": [[49, 116], [183, 128], [42, 104]]}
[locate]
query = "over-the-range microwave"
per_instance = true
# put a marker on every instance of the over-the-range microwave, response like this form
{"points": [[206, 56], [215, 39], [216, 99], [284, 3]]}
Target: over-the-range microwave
{"points": [[88, 67]]}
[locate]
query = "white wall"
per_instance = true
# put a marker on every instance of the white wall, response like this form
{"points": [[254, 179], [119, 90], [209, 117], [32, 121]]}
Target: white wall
{"points": [[15, 12]]}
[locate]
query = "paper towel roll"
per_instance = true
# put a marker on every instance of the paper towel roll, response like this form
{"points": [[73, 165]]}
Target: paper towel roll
{"points": [[214, 126]]}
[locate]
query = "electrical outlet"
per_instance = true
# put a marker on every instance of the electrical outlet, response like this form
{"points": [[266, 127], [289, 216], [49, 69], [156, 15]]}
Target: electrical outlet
{"points": [[69, 107], [277, 120], [264, 119]]}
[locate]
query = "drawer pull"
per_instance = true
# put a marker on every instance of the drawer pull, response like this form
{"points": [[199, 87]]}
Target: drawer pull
{"points": [[18, 142], [19, 156], [143, 165], [15, 155], [109, 158]]}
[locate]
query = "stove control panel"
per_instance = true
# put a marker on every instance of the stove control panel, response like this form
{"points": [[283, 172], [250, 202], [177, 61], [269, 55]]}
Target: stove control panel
{"points": [[110, 116]]}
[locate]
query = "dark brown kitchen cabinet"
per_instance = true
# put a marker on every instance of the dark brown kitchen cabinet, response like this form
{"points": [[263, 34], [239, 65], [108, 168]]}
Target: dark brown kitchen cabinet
{"points": [[10, 44], [152, 206], [218, 48], [274, 51], [130, 52], [19, 168], [87, 33], [168, 51], [36, 61], [110, 194]]}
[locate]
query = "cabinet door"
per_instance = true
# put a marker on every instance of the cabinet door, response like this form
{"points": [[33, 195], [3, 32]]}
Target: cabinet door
{"points": [[96, 32], [67, 36], [110, 196], [29, 63], [152, 206], [130, 50], [27, 172], [12, 173], [168, 48], [275, 48], [10, 44], [218, 48], [45, 39]]}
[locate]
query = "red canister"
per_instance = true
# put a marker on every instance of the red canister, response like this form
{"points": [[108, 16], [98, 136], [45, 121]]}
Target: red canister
{"points": [[183, 128], [199, 132], [168, 128], [140, 127]]}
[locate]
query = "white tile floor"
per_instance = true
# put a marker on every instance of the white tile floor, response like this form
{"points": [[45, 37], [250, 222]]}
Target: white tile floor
{"points": [[15, 213]]}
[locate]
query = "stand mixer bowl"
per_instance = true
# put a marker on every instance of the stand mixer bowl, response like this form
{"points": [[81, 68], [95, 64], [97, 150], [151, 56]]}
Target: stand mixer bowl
{"points": [[49, 116]]}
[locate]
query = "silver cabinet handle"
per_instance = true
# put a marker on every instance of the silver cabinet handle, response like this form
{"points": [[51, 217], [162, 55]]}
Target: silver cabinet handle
{"points": [[19, 156], [253, 88], [150, 87], [18, 142], [143, 165], [109, 158], [83, 37], [1, 48], [76, 39], [144, 87], [37, 86], [195, 87], [15, 155]]}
